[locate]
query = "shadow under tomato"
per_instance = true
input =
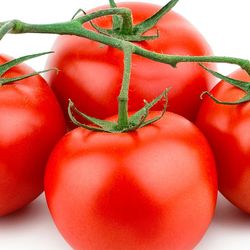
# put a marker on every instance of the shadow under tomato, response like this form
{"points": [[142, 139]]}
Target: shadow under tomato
{"points": [[227, 215], [32, 211]]}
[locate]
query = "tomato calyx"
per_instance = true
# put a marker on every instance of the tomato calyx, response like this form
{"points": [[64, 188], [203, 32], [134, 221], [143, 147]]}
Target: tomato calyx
{"points": [[10, 64], [135, 33], [136, 121], [245, 86], [122, 24], [124, 123]]}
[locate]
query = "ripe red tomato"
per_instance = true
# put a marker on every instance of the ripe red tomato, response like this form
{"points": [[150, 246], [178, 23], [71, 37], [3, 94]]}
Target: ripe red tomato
{"points": [[227, 129], [31, 122], [155, 188], [91, 73]]}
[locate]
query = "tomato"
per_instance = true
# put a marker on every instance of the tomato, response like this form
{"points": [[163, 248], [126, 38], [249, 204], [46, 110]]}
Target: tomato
{"points": [[154, 188], [91, 73], [31, 122], [227, 129]]}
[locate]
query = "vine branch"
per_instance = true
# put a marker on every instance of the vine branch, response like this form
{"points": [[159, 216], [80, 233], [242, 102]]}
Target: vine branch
{"points": [[75, 27]]}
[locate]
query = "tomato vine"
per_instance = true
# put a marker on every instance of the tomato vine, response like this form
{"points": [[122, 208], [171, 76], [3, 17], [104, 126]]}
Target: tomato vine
{"points": [[121, 36]]}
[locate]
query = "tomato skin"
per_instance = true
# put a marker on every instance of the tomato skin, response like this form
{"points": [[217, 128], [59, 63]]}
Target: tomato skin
{"points": [[91, 73], [155, 188], [227, 130], [31, 122]]}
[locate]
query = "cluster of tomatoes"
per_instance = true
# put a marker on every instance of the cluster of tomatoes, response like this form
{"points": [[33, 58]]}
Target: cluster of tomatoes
{"points": [[153, 188]]}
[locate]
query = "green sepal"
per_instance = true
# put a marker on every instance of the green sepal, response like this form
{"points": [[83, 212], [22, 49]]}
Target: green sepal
{"points": [[152, 21], [116, 20], [138, 119], [100, 125], [18, 78], [103, 31], [244, 99], [137, 38], [8, 65], [130, 38], [114, 32], [107, 32], [112, 4], [77, 12], [245, 86], [237, 83]]}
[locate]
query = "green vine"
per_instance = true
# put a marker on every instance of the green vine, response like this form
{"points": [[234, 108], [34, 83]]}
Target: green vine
{"points": [[121, 36], [75, 27]]}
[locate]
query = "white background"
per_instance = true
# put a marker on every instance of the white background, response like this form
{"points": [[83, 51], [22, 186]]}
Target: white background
{"points": [[225, 24]]}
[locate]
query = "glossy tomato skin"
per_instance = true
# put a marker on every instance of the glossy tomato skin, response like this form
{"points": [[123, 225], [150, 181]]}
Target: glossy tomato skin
{"points": [[91, 73], [31, 122], [227, 129], [155, 188]]}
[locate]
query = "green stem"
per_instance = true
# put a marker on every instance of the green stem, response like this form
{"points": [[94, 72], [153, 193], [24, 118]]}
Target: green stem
{"points": [[125, 13], [173, 60], [116, 40], [18, 27], [123, 96], [6, 27], [116, 21], [74, 27]]}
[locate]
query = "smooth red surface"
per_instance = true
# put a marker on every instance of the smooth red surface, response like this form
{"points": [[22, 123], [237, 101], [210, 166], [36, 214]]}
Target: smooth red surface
{"points": [[227, 129], [91, 73], [31, 122], [155, 188]]}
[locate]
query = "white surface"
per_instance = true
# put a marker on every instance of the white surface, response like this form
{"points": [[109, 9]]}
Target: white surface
{"points": [[225, 24], [229, 230], [32, 228]]}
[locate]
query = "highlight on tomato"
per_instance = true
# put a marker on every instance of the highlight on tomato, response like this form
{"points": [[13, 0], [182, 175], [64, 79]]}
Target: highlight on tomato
{"points": [[31, 123], [225, 121]]}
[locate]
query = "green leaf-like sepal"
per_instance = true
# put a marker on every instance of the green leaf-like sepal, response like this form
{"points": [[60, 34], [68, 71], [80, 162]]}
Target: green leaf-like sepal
{"points": [[77, 13], [103, 31], [130, 38], [99, 125], [117, 21], [152, 21], [136, 121], [244, 99], [8, 65], [18, 78], [245, 86]]}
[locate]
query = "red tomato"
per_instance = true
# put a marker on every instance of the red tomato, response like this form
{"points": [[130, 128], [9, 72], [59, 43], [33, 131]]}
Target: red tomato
{"points": [[154, 188], [227, 129], [91, 73], [31, 122]]}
